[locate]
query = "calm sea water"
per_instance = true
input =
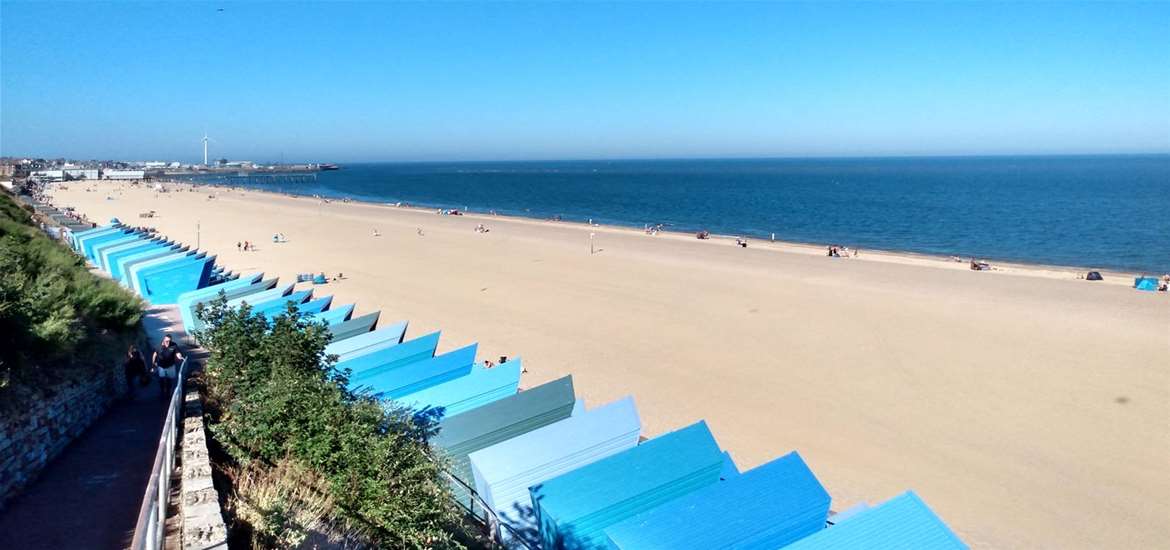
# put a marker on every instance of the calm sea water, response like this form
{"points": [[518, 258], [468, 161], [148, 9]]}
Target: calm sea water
{"points": [[1107, 212]]}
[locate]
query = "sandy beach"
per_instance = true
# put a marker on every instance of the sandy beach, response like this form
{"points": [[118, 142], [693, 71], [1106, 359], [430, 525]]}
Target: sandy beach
{"points": [[1029, 408]]}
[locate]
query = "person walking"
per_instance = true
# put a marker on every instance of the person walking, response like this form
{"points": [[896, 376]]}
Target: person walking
{"points": [[135, 368], [165, 359]]}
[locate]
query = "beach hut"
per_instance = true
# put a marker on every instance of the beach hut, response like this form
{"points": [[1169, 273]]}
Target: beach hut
{"points": [[366, 364], [354, 326], [114, 258], [82, 238], [94, 243], [279, 304], [573, 509], [484, 426], [769, 506], [126, 263], [316, 305], [904, 521], [250, 299], [412, 377], [79, 237], [100, 247], [135, 273], [504, 472], [479, 387], [333, 315], [103, 255], [382, 338], [163, 284], [187, 301]]}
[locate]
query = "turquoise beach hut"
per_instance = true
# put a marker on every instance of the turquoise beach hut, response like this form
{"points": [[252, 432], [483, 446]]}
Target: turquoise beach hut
{"points": [[372, 363], [484, 426]]}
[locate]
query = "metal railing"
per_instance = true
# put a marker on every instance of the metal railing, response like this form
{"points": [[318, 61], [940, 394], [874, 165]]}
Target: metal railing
{"points": [[486, 516], [151, 529]]}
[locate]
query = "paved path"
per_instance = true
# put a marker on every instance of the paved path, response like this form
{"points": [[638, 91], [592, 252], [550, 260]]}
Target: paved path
{"points": [[89, 496]]}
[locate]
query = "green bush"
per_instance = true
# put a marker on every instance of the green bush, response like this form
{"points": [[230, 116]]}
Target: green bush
{"points": [[55, 316], [275, 397]]}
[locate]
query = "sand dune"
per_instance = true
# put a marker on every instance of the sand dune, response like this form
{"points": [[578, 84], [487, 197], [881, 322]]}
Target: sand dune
{"points": [[1030, 409]]}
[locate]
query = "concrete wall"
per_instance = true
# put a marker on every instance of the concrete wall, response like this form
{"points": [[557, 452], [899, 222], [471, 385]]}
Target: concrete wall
{"points": [[203, 526], [32, 437]]}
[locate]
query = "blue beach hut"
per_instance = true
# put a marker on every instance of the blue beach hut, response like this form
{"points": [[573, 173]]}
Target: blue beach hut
{"points": [[573, 509], [484, 426], [93, 241], [354, 326], [133, 278], [80, 238], [504, 472], [100, 247], [333, 315], [129, 262], [278, 305], [163, 284], [316, 305], [108, 254], [189, 302], [769, 506], [409, 378], [479, 387], [369, 364], [116, 259], [904, 521], [385, 337]]}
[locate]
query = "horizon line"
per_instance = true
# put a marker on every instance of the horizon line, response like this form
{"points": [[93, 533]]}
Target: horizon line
{"points": [[651, 159]]}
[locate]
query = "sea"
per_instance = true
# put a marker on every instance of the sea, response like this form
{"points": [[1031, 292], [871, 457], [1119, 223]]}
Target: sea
{"points": [[1096, 212]]}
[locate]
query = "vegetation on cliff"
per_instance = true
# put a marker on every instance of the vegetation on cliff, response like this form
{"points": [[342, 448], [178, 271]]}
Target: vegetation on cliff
{"points": [[57, 319], [309, 457]]}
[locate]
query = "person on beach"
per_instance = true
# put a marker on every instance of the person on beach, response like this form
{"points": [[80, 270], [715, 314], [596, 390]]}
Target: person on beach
{"points": [[135, 369], [165, 359], [376, 233]]}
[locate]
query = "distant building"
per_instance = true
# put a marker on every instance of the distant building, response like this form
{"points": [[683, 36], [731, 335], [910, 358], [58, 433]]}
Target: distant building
{"points": [[111, 174], [81, 173], [48, 175]]}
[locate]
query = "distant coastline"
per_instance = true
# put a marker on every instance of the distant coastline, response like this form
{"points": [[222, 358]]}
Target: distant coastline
{"points": [[1112, 276], [1084, 212]]}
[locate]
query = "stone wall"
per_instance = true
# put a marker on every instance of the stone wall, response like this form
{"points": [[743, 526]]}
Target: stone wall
{"points": [[34, 435], [203, 526]]}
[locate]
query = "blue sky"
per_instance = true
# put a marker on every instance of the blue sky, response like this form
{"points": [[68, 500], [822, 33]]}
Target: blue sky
{"points": [[378, 81]]}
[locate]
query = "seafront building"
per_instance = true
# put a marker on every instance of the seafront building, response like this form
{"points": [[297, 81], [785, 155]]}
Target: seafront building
{"points": [[541, 467]]}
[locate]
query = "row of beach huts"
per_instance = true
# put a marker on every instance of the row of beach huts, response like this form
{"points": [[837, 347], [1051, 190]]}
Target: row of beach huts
{"points": [[552, 472]]}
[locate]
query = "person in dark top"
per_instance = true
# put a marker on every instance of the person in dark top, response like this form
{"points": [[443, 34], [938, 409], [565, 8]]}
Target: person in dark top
{"points": [[166, 359], [135, 369]]}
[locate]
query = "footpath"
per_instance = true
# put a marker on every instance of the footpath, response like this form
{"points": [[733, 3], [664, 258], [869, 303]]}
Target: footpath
{"points": [[89, 496]]}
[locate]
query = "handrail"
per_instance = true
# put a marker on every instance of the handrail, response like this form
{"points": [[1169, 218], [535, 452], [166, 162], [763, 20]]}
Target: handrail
{"points": [[495, 526], [150, 529]]}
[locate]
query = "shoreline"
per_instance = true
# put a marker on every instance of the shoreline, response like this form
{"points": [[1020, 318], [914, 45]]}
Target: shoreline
{"points": [[1028, 408], [1050, 271]]}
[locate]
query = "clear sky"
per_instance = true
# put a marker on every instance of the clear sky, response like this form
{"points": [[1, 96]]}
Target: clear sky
{"points": [[349, 82]]}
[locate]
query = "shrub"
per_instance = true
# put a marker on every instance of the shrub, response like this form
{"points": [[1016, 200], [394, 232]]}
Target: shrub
{"points": [[278, 398], [55, 316]]}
